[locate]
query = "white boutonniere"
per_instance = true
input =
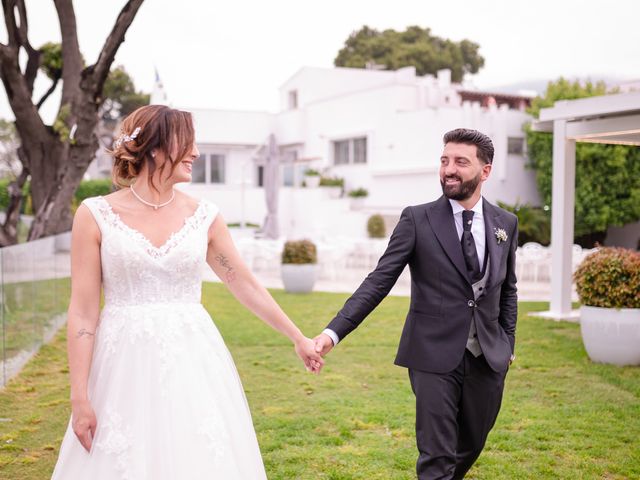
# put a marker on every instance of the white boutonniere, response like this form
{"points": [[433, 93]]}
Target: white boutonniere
{"points": [[501, 235]]}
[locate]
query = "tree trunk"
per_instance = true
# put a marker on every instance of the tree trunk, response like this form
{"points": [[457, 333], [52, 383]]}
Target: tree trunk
{"points": [[9, 230], [56, 174], [56, 157]]}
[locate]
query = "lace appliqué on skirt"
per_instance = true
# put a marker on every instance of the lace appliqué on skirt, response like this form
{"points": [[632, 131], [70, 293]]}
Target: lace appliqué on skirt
{"points": [[213, 429], [116, 440], [164, 325]]}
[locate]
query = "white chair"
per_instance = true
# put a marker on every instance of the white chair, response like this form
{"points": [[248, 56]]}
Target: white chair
{"points": [[535, 260], [267, 255], [577, 255], [247, 249], [520, 264], [377, 246]]}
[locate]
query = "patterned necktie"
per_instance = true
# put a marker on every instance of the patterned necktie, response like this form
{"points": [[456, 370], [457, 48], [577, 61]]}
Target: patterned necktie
{"points": [[469, 250]]}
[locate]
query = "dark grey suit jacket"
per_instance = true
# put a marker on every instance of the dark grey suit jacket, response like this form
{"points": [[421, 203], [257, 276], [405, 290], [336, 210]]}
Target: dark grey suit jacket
{"points": [[442, 302]]}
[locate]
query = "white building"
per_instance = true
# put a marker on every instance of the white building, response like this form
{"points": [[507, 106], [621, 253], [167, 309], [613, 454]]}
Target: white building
{"points": [[379, 130]]}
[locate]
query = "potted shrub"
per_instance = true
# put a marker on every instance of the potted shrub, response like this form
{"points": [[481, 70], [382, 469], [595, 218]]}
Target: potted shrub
{"points": [[312, 178], [608, 284], [299, 266], [375, 226], [357, 197], [335, 186]]}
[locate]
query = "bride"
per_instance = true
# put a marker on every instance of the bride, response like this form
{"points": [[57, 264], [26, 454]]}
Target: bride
{"points": [[154, 392]]}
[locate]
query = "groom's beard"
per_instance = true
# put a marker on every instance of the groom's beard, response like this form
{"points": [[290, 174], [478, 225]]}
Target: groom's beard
{"points": [[461, 191]]}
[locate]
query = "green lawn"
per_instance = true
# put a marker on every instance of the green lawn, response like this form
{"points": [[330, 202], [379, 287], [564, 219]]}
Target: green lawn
{"points": [[28, 311], [562, 417]]}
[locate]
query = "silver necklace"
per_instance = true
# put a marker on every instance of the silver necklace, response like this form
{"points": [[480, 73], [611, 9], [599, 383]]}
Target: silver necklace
{"points": [[154, 205]]}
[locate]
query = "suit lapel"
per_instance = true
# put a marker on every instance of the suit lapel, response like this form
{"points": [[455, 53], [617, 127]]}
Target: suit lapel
{"points": [[492, 221], [441, 219]]}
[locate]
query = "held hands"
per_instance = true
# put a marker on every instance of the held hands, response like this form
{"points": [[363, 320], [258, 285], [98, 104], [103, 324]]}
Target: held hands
{"points": [[312, 351], [324, 344], [83, 422], [306, 350]]}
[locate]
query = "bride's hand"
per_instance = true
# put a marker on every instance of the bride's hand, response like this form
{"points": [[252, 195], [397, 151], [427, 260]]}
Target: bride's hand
{"points": [[83, 422], [305, 349]]}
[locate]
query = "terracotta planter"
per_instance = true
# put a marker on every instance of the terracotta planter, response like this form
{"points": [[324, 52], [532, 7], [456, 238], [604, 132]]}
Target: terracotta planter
{"points": [[611, 335], [299, 278]]}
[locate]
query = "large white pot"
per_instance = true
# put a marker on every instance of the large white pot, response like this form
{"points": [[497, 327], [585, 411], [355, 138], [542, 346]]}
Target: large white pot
{"points": [[62, 242], [333, 192], [611, 335], [357, 203], [299, 278], [312, 181]]}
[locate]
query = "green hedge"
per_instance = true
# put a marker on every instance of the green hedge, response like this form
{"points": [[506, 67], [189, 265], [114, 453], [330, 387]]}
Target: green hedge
{"points": [[534, 223], [93, 188], [86, 189], [609, 278], [376, 227], [4, 195], [299, 252]]}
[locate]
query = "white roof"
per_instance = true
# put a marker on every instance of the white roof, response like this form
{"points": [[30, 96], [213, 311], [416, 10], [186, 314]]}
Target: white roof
{"points": [[603, 119]]}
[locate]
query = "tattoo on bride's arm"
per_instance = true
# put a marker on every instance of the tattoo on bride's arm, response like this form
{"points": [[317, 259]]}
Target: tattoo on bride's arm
{"points": [[230, 274], [83, 332]]}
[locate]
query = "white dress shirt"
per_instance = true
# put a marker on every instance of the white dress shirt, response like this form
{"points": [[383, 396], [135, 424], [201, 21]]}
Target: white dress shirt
{"points": [[477, 230]]}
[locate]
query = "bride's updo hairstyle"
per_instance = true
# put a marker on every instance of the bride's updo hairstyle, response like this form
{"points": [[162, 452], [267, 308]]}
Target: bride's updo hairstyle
{"points": [[146, 131]]}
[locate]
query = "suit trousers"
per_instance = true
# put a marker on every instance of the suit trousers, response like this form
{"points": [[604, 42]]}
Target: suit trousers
{"points": [[454, 413]]}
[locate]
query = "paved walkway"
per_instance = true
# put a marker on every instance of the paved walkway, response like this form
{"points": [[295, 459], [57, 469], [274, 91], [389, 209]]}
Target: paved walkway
{"points": [[57, 266], [351, 278]]}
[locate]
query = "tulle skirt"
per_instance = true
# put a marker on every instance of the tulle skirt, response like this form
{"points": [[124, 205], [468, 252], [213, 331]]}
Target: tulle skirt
{"points": [[168, 401]]}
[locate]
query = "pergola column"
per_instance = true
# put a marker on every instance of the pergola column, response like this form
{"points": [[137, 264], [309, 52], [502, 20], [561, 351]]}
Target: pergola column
{"points": [[562, 219]]}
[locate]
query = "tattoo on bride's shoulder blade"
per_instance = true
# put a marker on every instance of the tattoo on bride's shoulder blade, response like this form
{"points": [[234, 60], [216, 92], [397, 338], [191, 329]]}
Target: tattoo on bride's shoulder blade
{"points": [[230, 274]]}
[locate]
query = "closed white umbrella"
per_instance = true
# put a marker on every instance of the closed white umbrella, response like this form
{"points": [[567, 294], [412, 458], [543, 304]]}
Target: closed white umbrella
{"points": [[271, 187]]}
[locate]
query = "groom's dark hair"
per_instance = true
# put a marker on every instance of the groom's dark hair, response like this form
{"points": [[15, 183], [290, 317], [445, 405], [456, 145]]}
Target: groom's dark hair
{"points": [[483, 144]]}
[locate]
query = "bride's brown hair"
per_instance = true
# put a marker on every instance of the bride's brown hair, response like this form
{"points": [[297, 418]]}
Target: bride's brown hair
{"points": [[150, 129]]}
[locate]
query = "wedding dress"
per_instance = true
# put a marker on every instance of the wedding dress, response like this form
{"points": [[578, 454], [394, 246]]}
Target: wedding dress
{"points": [[167, 397]]}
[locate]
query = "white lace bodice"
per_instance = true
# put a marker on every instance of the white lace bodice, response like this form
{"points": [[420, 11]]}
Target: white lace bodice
{"points": [[135, 272]]}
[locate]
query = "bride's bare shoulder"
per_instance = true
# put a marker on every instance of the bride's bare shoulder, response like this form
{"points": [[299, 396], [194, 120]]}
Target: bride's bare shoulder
{"points": [[187, 200], [115, 196]]}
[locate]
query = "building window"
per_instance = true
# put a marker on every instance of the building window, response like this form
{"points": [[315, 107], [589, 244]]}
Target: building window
{"points": [[353, 150], [199, 171], [288, 159], [261, 175], [360, 150], [341, 152], [217, 168], [288, 173], [293, 100], [515, 146], [209, 168]]}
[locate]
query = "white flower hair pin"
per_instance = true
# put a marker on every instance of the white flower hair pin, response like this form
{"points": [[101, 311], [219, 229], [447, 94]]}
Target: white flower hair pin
{"points": [[500, 234], [124, 138]]}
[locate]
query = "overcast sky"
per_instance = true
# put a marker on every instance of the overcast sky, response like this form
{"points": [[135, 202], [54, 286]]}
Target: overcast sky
{"points": [[235, 54]]}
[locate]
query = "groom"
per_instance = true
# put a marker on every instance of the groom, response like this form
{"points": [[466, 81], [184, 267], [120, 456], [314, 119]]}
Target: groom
{"points": [[459, 335]]}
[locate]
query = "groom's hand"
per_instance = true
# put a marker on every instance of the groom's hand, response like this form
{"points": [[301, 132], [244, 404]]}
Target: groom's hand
{"points": [[324, 344], [305, 349]]}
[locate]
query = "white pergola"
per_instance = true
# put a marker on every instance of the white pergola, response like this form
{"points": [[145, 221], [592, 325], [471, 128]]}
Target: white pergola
{"points": [[613, 119]]}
